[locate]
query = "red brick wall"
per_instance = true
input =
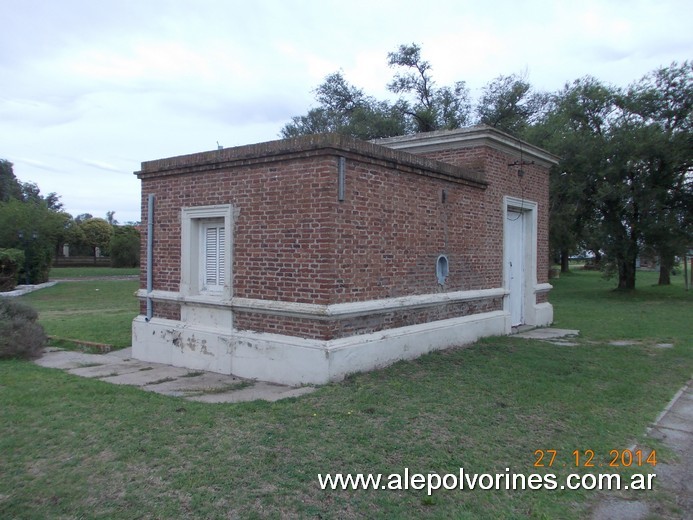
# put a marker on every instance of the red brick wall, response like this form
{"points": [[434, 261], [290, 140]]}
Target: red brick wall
{"points": [[392, 227], [339, 328], [282, 236], [503, 180]]}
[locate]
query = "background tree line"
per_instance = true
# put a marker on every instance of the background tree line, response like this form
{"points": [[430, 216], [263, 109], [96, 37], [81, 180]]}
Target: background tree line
{"points": [[34, 227], [624, 185]]}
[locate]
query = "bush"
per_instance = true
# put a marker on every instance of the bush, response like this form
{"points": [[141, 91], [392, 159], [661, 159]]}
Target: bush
{"points": [[39, 260], [20, 335], [33, 228], [125, 247], [11, 261]]}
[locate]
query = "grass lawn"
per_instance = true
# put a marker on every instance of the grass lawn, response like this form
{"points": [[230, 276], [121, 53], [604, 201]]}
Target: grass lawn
{"points": [[72, 447], [59, 273], [98, 311]]}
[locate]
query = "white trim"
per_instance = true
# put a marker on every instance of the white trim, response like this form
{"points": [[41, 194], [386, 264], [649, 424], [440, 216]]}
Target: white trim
{"points": [[192, 222], [466, 138], [542, 288], [338, 310], [292, 360], [529, 211], [543, 314], [537, 314]]}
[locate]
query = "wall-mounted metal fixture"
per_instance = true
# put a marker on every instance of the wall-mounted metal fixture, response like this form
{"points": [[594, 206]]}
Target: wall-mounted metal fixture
{"points": [[341, 174], [442, 269], [520, 163], [150, 255]]}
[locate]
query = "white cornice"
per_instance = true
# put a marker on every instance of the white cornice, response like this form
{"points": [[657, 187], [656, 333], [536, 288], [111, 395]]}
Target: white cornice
{"points": [[467, 138], [542, 288]]}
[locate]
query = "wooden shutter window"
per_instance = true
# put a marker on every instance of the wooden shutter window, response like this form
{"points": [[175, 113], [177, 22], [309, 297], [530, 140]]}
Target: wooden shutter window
{"points": [[214, 257]]}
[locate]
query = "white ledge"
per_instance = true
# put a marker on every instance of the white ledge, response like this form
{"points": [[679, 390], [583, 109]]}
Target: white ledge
{"points": [[542, 288], [338, 310]]}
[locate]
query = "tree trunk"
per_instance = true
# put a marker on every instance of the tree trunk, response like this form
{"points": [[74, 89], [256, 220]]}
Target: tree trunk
{"points": [[626, 274], [666, 264], [597, 257], [565, 261]]}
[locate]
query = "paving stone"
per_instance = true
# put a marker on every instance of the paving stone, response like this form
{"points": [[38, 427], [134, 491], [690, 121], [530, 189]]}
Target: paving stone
{"points": [[547, 333], [123, 353], [259, 390], [119, 368], [108, 370], [147, 377], [186, 385], [66, 359], [616, 509]]}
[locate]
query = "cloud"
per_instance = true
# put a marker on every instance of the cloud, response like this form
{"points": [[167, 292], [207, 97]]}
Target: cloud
{"points": [[39, 164], [102, 165], [36, 113], [90, 89]]}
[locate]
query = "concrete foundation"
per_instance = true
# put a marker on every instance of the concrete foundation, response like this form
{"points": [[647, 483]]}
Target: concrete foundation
{"points": [[294, 361]]}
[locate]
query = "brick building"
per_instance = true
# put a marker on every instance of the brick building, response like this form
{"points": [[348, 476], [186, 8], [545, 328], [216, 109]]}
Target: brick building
{"points": [[303, 260]]}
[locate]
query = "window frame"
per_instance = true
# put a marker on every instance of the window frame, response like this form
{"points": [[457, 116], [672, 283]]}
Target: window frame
{"points": [[194, 224]]}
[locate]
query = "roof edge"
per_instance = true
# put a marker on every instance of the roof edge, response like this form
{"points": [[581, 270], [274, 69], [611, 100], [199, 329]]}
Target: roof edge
{"points": [[271, 151], [480, 135]]}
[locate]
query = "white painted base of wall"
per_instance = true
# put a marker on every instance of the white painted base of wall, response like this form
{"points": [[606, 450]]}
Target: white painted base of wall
{"points": [[543, 314], [294, 361]]}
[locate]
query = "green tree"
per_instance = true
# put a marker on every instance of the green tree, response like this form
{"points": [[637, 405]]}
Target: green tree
{"points": [[624, 181], [125, 247], [428, 107], [110, 218], [345, 109], [661, 107], [31, 193], [10, 187], [620, 198], [82, 217], [30, 222], [575, 127], [97, 233], [421, 107], [509, 103], [33, 228]]}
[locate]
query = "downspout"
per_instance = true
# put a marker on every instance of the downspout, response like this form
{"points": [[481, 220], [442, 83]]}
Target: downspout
{"points": [[150, 253]]}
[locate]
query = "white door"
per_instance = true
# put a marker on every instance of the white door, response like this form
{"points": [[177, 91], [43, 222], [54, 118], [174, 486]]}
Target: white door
{"points": [[515, 256]]}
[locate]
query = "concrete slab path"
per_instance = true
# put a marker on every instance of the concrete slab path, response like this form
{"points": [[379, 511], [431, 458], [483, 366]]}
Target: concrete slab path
{"points": [[21, 290], [119, 368], [547, 333], [674, 427]]}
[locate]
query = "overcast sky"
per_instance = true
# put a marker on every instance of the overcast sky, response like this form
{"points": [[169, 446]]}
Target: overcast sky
{"points": [[91, 88]]}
